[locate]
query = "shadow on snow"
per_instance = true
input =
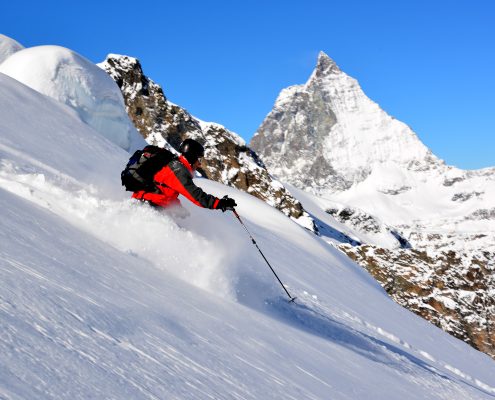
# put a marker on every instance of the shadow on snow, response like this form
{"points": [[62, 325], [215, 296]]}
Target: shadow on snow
{"points": [[302, 316]]}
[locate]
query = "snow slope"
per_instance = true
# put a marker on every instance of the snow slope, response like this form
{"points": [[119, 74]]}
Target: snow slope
{"points": [[101, 297], [71, 79]]}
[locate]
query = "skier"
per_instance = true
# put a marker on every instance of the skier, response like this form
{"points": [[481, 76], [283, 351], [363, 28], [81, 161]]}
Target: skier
{"points": [[176, 178]]}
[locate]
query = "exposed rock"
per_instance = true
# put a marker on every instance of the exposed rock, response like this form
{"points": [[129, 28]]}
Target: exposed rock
{"points": [[454, 291], [482, 214], [366, 223], [231, 162], [452, 181], [159, 121], [465, 196], [395, 192]]}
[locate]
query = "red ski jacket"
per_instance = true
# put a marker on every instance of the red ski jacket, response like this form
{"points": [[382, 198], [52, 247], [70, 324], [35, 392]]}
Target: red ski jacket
{"points": [[175, 179]]}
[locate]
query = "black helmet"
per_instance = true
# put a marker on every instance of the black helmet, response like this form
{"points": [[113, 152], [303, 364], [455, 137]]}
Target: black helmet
{"points": [[191, 150]]}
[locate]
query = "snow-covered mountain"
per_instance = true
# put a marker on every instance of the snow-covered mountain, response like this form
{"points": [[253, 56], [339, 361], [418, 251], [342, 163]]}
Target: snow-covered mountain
{"points": [[329, 138], [101, 297], [372, 173]]}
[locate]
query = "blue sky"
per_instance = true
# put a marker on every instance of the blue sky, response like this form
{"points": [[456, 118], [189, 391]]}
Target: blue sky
{"points": [[429, 63]]}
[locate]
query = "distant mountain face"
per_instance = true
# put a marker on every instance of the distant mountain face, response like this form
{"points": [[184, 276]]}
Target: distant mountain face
{"points": [[327, 135], [227, 157], [328, 138]]}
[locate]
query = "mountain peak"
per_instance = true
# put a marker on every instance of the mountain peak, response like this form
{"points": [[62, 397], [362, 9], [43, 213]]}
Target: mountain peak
{"points": [[327, 135], [325, 65]]}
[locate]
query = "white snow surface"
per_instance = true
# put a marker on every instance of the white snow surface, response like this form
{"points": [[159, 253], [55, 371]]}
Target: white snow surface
{"points": [[8, 47], [427, 205], [102, 297], [70, 78]]}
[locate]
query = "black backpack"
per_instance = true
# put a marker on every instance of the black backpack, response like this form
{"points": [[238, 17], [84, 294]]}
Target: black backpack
{"points": [[142, 167]]}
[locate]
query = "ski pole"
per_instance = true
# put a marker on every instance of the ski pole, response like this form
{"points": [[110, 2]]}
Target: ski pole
{"points": [[262, 255]]}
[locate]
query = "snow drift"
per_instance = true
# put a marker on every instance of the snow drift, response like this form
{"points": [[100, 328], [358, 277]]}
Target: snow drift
{"points": [[71, 79]]}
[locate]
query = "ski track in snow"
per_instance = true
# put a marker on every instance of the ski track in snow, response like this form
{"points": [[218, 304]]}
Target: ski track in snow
{"points": [[319, 319]]}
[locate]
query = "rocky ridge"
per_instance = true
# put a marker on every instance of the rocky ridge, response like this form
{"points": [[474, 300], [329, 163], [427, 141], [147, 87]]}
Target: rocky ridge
{"points": [[453, 290], [227, 157], [446, 277], [366, 223]]}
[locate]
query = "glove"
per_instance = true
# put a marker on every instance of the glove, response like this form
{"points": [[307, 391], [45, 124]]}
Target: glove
{"points": [[226, 203]]}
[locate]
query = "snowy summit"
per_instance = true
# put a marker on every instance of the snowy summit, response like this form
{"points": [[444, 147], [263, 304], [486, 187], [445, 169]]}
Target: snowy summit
{"points": [[328, 138], [328, 135]]}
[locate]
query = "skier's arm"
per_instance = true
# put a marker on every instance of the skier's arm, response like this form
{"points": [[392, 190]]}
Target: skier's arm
{"points": [[180, 180]]}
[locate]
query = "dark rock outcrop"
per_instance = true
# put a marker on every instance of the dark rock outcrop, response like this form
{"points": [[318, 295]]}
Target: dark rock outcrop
{"points": [[455, 291]]}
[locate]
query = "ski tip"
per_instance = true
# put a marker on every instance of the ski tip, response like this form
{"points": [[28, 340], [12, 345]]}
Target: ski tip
{"points": [[292, 299]]}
